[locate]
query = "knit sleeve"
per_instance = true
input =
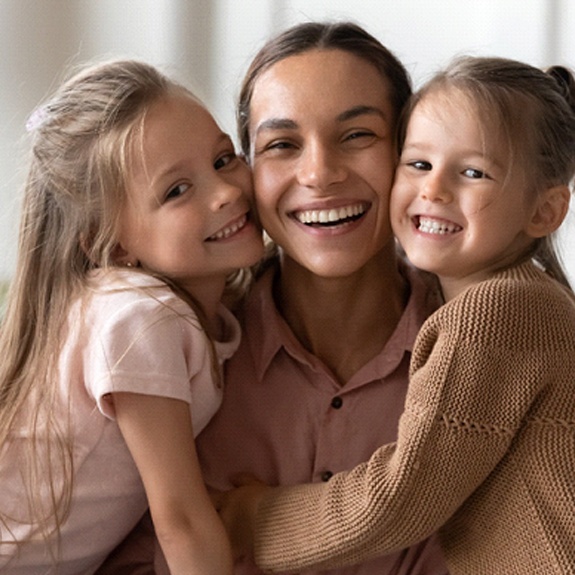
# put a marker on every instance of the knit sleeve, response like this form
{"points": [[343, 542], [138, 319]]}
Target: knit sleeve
{"points": [[479, 365]]}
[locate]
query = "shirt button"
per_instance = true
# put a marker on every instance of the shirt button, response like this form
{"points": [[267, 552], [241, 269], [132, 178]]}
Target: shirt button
{"points": [[326, 475], [336, 402]]}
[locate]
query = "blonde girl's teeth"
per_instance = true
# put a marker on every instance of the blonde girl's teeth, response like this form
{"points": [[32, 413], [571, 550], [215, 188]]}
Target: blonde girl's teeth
{"points": [[226, 232]]}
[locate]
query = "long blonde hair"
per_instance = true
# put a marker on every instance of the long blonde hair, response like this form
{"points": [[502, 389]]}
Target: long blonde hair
{"points": [[73, 195]]}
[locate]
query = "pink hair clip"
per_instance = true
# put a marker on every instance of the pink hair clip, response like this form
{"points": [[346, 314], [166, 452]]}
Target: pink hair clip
{"points": [[36, 119]]}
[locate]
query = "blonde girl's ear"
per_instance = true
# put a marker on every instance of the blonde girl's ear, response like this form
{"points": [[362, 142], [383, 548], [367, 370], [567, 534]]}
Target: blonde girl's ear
{"points": [[122, 257], [550, 211]]}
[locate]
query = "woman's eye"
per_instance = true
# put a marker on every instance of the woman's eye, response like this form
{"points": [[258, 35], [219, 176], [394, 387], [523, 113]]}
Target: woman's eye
{"points": [[177, 191], [360, 134], [275, 146], [359, 139], [474, 173], [279, 145], [224, 160]]}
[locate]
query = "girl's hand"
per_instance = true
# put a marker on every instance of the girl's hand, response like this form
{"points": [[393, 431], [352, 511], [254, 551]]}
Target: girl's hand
{"points": [[237, 509]]}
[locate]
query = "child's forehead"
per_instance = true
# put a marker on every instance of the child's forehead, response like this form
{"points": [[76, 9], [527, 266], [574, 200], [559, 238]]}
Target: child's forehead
{"points": [[452, 105], [447, 101]]}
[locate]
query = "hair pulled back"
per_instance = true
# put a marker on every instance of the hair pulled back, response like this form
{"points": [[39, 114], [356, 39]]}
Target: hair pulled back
{"points": [[308, 36], [532, 109]]}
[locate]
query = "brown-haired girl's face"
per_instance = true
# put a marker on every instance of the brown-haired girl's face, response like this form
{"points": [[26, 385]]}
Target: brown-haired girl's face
{"points": [[323, 159], [459, 207]]}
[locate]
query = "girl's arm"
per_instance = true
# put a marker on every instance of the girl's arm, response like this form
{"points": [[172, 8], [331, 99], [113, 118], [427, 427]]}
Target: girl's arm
{"points": [[158, 432], [475, 376]]}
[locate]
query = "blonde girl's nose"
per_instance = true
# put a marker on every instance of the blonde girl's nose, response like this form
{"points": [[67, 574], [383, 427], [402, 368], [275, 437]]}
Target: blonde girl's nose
{"points": [[225, 193]]}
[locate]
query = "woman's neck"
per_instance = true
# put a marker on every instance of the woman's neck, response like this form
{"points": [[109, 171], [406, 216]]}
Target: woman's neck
{"points": [[344, 321]]}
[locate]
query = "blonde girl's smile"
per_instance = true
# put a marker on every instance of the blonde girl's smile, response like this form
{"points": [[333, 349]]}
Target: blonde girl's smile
{"points": [[230, 230], [189, 212]]}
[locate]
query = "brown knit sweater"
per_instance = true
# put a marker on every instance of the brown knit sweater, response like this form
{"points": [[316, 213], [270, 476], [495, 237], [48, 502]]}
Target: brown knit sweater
{"points": [[485, 452]]}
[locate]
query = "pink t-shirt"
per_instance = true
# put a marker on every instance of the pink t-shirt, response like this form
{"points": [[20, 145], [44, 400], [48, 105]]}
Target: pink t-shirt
{"points": [[287, 420], [131, 334]]}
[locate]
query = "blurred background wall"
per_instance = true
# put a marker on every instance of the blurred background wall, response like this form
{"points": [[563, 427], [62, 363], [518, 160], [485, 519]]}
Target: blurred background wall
{"points": [[207, 44]]}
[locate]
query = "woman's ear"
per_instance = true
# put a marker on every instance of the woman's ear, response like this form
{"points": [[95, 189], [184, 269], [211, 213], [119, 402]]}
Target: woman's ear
{"points": [[550, 211]]}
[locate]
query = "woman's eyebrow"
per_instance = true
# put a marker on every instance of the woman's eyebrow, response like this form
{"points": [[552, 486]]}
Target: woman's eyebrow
{"points": [[276, 124], [287, 124], [360, 111]]}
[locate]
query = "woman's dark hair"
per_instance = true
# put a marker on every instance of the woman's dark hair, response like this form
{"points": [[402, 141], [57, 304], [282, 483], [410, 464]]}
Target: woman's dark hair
{"points": [[301, 38]]}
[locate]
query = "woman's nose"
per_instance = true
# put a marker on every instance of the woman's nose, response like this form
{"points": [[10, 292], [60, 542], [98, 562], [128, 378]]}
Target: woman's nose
{"points": [[319, 166]]}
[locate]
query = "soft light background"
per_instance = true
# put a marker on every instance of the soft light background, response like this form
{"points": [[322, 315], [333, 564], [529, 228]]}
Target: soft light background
{"points": [[207, 44]]}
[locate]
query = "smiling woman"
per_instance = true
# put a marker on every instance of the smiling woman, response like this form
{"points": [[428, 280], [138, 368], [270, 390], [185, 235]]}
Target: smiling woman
{"points": [[486, 437], [320, 377]]}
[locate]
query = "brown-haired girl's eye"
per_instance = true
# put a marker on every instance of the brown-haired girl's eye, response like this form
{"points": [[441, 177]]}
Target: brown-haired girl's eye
{"points": [[475, 174]]}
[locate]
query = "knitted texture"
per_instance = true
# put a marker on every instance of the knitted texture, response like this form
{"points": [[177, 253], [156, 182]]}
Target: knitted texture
{"points": [[485, 451]]}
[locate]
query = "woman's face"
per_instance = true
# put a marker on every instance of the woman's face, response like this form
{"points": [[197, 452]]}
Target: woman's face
{"points": [[323, 158]]}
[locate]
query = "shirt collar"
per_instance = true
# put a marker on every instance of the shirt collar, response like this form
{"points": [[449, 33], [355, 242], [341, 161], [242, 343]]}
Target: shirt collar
{"points": [[267, 332], [423, 300]]}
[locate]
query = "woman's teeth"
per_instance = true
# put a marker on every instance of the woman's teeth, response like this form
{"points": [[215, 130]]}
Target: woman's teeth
{"points": [[230, 230], [331, 216], [431, 226]]}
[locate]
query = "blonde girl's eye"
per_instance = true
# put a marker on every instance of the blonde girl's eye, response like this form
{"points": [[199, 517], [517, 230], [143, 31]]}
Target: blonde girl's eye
{"points": [[225, 160], [177, 191]]}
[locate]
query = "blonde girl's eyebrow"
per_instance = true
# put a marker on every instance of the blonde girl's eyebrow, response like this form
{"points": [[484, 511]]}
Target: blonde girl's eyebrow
{"points": [[173, 169]]}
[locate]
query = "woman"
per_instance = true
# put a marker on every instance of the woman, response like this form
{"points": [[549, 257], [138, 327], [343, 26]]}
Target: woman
{"points": [[320, 378]]}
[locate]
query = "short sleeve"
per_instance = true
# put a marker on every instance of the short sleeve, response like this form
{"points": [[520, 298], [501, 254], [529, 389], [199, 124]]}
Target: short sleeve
{"points": [[144, 346]]}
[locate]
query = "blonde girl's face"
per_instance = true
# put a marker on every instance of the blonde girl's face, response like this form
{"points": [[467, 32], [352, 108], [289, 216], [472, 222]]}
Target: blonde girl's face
{"points": [[458, 207], [188, 213], [321, 127]]}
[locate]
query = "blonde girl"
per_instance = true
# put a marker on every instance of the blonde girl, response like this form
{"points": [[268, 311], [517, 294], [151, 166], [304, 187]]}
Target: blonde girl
{"points": [[485, 444], [136, 214]]}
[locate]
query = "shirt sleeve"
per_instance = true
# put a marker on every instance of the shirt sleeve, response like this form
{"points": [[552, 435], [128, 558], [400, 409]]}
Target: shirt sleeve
{"points": [[146, 346], [475, 373]]}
